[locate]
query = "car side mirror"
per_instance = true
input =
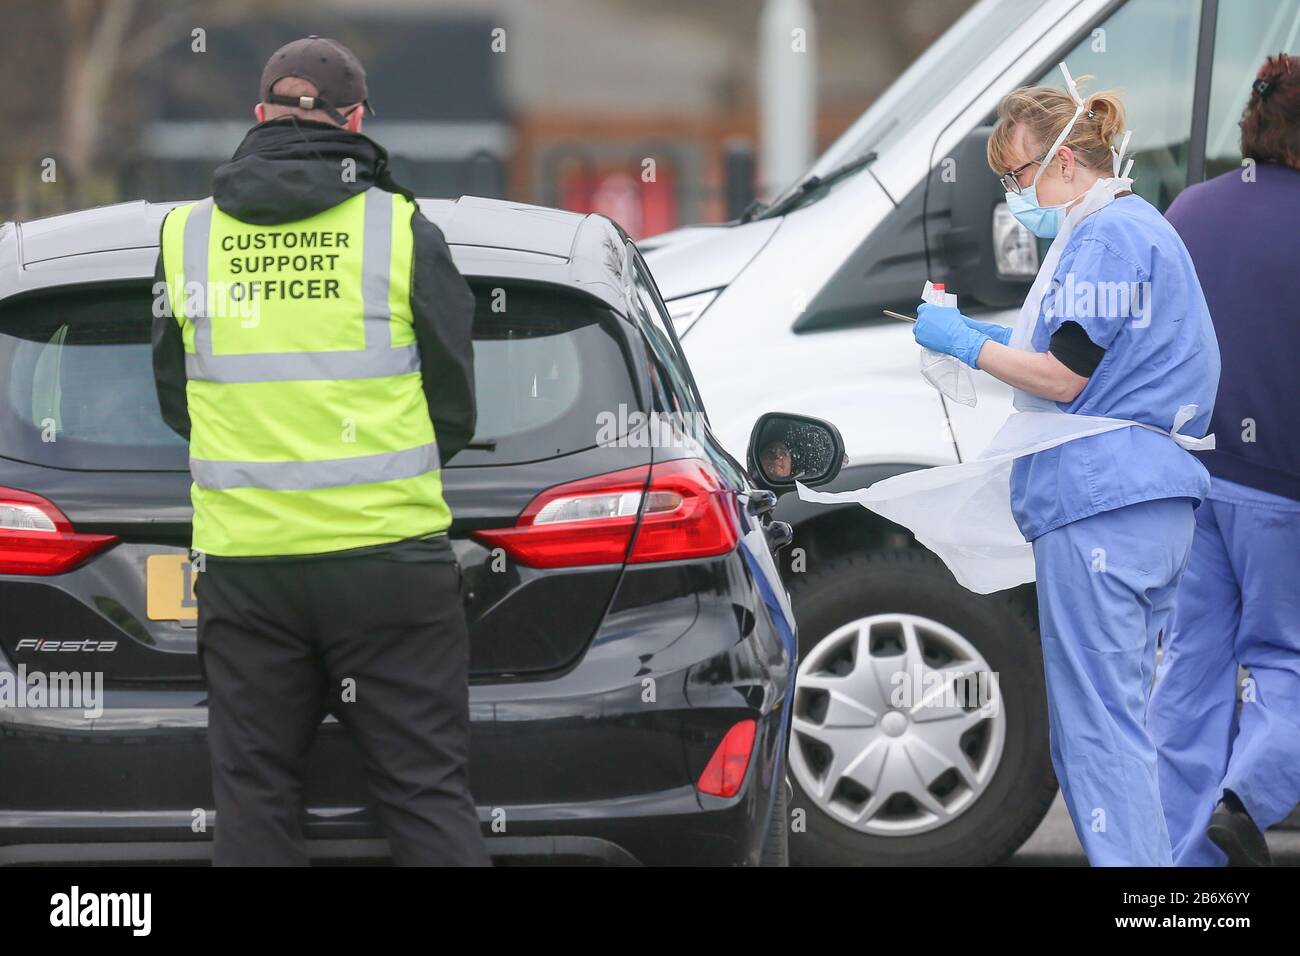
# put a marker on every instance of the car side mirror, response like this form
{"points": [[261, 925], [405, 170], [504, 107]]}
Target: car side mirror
{"points": [[785, 448]]}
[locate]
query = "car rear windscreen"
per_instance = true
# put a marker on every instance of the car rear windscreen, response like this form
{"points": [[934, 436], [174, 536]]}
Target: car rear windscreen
{"points": [[551, 371], [76, 382], [77, 389]]}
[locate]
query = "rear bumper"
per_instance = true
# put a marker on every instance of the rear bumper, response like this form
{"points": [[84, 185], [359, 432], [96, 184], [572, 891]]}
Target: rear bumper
{"points": [[680, 826], [597, 765], [580, 851], [672, 829]]}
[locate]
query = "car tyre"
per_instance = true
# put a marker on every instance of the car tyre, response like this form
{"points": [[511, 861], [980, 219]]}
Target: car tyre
{"points": [[776, 845], [1003, 628]]}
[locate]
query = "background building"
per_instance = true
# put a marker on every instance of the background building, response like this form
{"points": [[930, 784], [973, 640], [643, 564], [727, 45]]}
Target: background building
{"points": [[634, 109]]}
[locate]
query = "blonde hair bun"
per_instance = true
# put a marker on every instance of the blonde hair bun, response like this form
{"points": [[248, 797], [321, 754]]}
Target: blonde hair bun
{"points": [[1107, 109], [1043, 111]]}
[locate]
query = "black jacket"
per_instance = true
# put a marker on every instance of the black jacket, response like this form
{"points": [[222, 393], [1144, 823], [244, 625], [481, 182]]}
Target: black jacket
{"points": [[290, 169]]}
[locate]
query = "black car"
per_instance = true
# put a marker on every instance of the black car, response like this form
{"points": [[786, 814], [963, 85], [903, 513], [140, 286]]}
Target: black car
{"points": [[632, 645]]}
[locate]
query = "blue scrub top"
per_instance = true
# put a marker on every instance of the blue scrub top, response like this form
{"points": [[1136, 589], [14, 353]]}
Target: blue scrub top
{"points": [[1126, 277]]}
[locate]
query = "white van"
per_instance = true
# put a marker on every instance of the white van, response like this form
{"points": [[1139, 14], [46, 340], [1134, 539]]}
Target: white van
{"points": [[785, 307]]}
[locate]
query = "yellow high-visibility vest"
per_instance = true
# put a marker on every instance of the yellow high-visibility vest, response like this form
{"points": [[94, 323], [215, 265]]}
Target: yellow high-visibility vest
{"points": [[310, 432]]}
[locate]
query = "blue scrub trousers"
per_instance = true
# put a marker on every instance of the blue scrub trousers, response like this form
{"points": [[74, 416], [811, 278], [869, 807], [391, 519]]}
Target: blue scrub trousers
{"points": [[1239, 606], [1106, 588]]}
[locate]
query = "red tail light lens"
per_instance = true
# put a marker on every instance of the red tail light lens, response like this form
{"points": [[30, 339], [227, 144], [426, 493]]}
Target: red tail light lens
{"points": [[685, 509], [689, 513], [725, 771], [37, 538], [582, 522]]}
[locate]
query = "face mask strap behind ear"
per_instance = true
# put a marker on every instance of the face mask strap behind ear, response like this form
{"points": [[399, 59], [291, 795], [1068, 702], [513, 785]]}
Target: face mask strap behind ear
{"points": [[1117, 156], [1070, 87], [1060, 140]]}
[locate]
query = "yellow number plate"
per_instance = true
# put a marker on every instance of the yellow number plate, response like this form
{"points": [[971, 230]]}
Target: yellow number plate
{"points": [[169, 588]]}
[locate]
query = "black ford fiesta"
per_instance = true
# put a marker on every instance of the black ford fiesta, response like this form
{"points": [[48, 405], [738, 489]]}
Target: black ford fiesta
{"points": [[632, 646]]}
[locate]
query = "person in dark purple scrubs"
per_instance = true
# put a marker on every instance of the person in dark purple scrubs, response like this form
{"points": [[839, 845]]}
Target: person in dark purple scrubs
{"points": [[1226, 776]]}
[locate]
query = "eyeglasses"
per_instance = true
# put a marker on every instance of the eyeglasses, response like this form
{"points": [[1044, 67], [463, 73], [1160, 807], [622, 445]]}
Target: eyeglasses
{"points": [[1011, 181]]}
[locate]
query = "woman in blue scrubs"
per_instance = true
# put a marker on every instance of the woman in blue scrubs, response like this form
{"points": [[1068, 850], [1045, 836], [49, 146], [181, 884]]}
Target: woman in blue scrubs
{"points": [[1225, 776], [1123, 332]]}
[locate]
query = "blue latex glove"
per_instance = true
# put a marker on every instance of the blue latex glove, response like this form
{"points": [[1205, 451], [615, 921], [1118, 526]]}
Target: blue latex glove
{"points": [[998, 333], [942, 329]]}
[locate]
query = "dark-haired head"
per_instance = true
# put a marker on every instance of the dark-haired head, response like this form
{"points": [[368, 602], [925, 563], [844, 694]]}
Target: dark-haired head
{"points": [[1270, 125]]}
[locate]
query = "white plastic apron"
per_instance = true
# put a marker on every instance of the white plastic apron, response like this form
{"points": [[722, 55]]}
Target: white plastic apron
{"points": [[963, 512]]}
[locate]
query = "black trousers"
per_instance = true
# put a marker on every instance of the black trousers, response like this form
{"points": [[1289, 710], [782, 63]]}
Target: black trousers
{"points": [[380, 642]]}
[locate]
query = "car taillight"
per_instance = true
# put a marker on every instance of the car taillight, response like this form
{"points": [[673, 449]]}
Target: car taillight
{"points": [[725, 771], [689, 513], [685, 511], [37, 538]]}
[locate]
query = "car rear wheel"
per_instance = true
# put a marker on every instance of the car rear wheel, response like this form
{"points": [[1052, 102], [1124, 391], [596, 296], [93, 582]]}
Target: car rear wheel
{"points": [[919, 732]]}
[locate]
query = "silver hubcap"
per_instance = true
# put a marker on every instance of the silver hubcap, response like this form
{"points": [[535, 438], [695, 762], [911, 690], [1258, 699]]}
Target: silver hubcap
{"points": [[898, 725]]}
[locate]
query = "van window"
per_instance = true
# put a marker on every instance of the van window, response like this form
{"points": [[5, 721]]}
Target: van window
{"points": [[680, 388], [1248, 31], [1147, 50]]}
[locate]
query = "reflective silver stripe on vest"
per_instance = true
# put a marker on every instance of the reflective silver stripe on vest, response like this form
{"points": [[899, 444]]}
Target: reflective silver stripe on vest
{"points": [[309, 475], [194, 260], [302, 366], [378, 360], [376, 268]]}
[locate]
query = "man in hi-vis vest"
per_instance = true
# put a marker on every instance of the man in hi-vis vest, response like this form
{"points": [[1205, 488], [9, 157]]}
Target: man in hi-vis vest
{"points": [[312, 340]]}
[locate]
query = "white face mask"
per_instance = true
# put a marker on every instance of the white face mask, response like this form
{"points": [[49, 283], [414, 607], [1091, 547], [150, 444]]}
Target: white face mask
{"points": [[1043, 221]]}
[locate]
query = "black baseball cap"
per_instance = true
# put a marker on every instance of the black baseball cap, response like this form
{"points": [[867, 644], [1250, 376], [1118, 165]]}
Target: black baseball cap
{"points": [[332, 68]]}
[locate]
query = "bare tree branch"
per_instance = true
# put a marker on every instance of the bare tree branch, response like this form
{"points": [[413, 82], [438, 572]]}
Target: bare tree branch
{"points": [[91, 67]]}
